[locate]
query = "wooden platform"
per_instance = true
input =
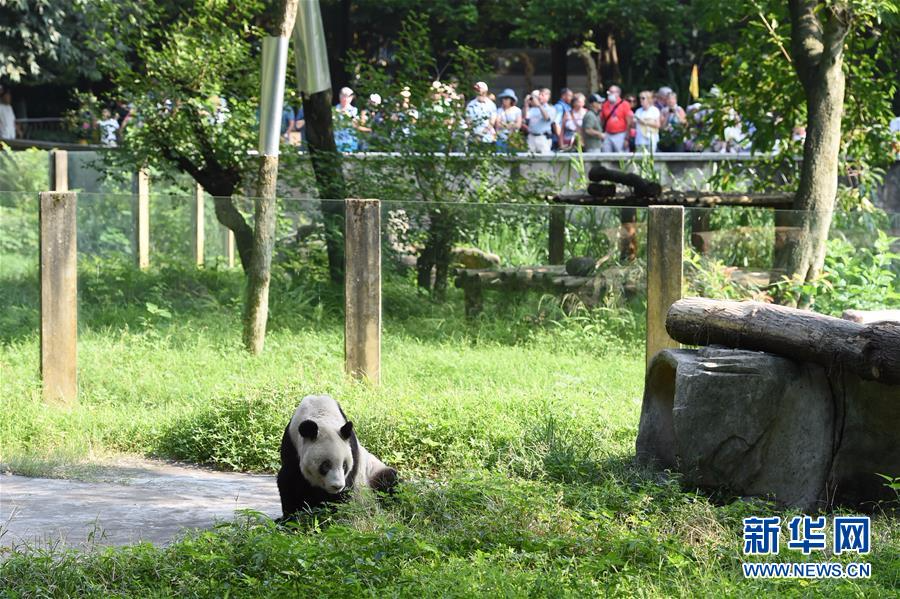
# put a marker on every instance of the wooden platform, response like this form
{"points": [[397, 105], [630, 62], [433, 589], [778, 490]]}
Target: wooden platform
{"points": [[680, 198], [547, 279]]}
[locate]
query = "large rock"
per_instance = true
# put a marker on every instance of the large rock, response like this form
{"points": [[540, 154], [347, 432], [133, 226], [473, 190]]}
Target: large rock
{"points": [[757, 424]]}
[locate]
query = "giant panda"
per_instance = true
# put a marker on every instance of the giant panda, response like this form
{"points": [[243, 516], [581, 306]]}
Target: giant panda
{"points": [[322, 461]]}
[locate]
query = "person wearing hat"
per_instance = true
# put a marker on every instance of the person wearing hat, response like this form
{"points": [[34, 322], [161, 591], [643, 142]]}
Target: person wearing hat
{"points": [[481, 113], [540, 116], [345, 122], [591, 126], [509, 118]]}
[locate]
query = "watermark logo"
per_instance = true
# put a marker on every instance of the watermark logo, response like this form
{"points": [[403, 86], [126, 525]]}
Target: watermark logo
{"points": [[852, 534], [761, 535], [807, 534], [849, 534]]}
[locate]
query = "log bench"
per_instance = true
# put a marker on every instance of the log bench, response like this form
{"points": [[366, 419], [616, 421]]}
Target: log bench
{"points": [[547, 279]]}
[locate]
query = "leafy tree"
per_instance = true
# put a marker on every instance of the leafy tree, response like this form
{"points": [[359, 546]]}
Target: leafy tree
{"points": [[626, 42], [435, 160], [825, 64], [192, 81], [44, 39]]}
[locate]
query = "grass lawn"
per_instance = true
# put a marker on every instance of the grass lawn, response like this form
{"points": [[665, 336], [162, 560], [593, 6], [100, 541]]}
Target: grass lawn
{"points": [[515, 435]]}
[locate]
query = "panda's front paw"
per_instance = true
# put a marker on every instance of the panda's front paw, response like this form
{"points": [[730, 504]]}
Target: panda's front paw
{"points": [[384, 480]]}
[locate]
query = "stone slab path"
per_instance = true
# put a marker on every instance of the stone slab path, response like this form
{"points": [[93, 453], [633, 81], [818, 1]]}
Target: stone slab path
{"points": [[142, 500]]}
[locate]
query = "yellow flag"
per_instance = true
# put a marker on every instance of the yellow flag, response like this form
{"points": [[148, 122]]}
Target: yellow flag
{"points": [[695, 83]]}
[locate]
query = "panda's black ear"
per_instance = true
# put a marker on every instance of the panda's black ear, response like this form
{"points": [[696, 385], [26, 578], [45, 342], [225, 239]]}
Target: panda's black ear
{"points": [[308, 429], [346, 430]]}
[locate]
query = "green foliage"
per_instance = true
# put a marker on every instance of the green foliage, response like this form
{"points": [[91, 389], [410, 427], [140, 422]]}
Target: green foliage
{"points": [[191, 75], [854, 277], [758, 82], [25, 170], [43, 40]]}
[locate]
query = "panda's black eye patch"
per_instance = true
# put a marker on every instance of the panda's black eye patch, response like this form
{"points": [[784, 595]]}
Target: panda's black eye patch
{"points": [[345, 466], [324, 467]]}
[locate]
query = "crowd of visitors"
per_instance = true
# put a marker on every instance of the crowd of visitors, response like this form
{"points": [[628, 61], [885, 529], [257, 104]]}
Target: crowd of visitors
{"points": [[652, 122]]}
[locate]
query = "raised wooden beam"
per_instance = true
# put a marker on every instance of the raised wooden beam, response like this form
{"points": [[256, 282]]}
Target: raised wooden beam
{"points": [[680, 198], [198, 236], [362, 289], [59, 170], [665, 257], [140, 217], [557, 241], [59, 296], [869, 351]]}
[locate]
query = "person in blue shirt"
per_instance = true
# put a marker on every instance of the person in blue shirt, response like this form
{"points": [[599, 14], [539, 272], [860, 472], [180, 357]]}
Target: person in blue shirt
{"points": [[287, 121], [562, 107], [539, 117], [346, 122]]}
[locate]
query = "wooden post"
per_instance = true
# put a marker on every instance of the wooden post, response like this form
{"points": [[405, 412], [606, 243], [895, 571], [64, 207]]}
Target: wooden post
{"points": [[557, 242], [665, 256], [59, 170], [59, 295], [228, 246], [362, 289], [198, 239], [140, 217]]}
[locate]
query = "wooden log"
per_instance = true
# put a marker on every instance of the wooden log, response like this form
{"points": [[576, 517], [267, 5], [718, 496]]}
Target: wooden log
{"points": [[642, 187], [59, 170], [601, 190], [362, 289], [198, 233], [59, 296], [228, 246], [140, 217], [665, 271], [679, 198], [870, 316], [869, 351]]}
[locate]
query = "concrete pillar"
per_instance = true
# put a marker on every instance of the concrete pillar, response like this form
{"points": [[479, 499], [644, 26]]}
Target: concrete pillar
{"points": [[140, 218], [59, 170], [557, 241], [59, 295], [362, 289], [198, 237], [665, 259]]}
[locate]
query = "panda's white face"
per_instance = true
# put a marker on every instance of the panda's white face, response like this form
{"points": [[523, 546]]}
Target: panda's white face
{"points": [[325, 455]]}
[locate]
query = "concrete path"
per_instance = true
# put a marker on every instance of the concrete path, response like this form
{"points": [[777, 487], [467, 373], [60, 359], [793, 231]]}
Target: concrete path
{"points": [[140, 501]]}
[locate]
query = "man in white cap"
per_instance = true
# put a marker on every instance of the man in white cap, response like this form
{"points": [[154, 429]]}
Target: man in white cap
{"points": [[481, 113], [345, 125], [539, 117]]}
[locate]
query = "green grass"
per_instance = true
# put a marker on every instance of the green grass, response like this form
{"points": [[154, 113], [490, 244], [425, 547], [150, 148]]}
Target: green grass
{"points": [[515, 435]]}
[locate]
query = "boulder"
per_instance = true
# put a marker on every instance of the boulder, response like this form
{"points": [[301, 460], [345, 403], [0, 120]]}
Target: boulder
{"points": [[757, 424], [474, 258]]}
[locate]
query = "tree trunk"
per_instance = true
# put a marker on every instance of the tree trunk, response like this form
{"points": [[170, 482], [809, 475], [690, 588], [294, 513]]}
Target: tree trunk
{"points": [[869, 351], [559, 73], [327, 166], [436, 254], [818, 30], [278, 22], [590, 67], [259, 272]]}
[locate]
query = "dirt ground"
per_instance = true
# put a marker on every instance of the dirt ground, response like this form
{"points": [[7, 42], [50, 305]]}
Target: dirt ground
{"points": [[141, 500]]}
